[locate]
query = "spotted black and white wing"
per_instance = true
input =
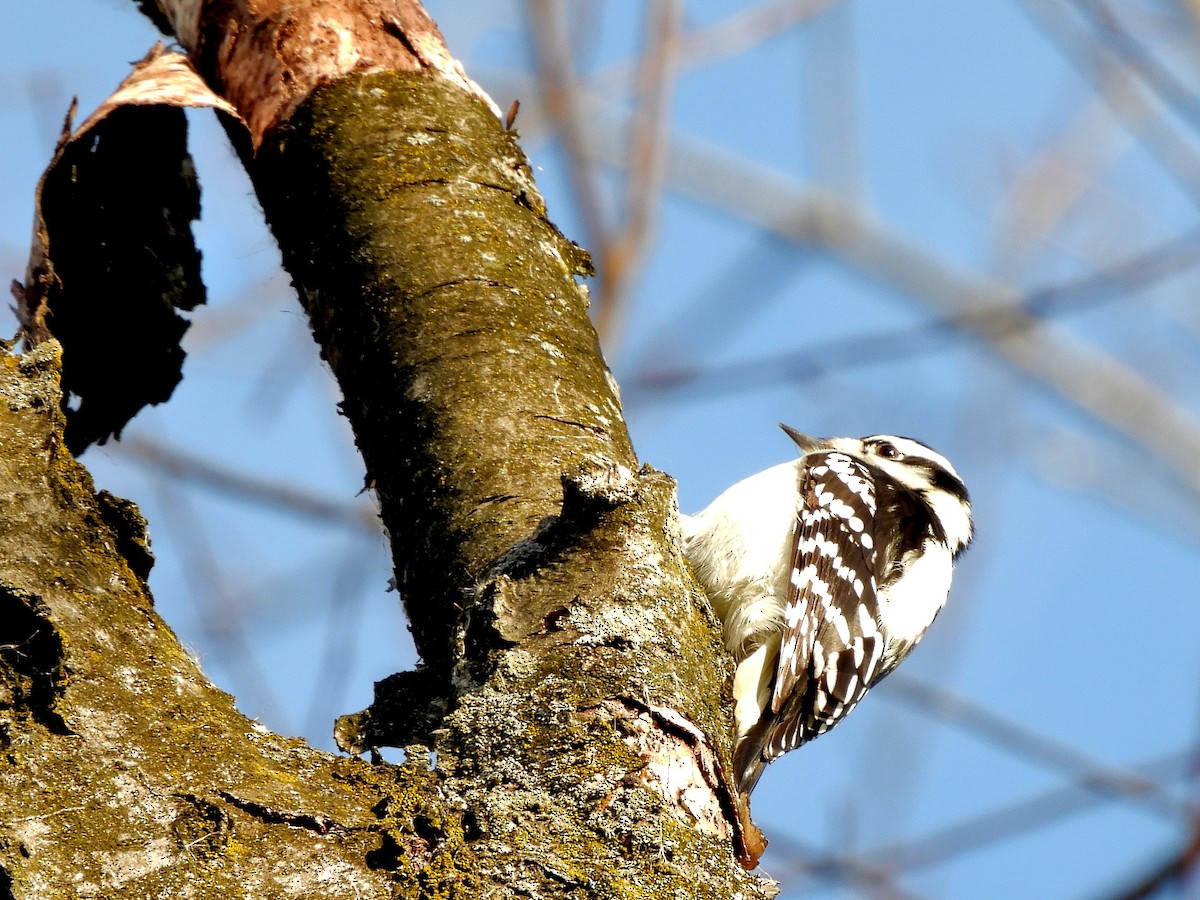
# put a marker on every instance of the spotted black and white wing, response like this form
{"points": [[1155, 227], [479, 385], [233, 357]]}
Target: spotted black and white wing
{"points": [[831, 646], [826, 572]]}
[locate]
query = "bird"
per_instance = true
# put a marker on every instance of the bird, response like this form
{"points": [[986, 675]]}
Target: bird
{"points": [[825, 573]]}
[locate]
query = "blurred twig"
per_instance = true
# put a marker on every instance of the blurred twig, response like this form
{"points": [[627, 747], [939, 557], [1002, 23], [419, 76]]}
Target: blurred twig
{"points": [[998, 731], [1054, 184], [1121, 88], [1112, 475], [1111, 32], [807, 861], [726, 38], [233, 314], [1092, 380], [643, 185], [1177, 871], [995, 826], [757, 276], [220, 612], [618, 247], [343, 626], [556, 82], [1008, 317], [831, 95], [279, 495], [969, 834]]}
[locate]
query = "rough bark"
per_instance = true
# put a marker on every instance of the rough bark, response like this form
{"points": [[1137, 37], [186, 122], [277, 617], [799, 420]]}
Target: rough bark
{"points": [[124, 771], [571, 693]]}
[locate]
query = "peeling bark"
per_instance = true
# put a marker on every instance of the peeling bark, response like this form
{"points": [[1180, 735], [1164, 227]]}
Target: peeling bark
{"points": [[112, 258]]}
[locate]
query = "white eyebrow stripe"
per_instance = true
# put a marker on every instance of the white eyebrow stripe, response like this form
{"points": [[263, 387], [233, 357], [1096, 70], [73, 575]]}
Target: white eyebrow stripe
{"points": [[909, 447]]}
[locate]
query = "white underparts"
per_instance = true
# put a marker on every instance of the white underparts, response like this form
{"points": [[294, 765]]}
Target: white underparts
{"points": [[907, 608], [742, 560]]}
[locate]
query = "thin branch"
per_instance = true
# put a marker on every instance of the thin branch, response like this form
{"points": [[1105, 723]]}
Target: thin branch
{"points": [[807, 861], [645, 166], [557, 83], [724, 39], [1081, 373], [1178, 870], [831, 95], [235, 313], [1055, 183], [1171, 258], [279, 495], [1112, 475], [969, 834], [998, 731], [1111, 33], [999, 825], [341, 635], [1119, 86], [695, 48], [758, 275], [220, 613]]}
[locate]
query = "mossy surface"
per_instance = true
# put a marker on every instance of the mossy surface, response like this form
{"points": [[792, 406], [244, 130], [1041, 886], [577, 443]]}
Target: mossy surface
{"points": [[539, 565], [123, 771], [540, 569], [447, 305]]}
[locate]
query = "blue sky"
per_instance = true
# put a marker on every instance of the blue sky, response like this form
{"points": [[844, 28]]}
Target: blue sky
{"points": [[984, 146]]}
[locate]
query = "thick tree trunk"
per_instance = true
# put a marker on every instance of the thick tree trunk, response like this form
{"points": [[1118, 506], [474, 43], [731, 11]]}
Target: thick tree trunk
{"points": [[566, 734]]}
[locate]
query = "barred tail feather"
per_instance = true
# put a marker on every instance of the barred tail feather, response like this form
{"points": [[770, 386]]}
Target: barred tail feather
{"points": [[749, 760]]}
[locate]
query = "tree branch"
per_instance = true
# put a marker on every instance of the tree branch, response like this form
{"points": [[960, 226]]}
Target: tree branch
{"points": [[570, 663]]}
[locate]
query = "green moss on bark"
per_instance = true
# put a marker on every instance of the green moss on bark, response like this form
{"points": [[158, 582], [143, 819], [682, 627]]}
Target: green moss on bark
{"points": [[540, 569], [447, 305], [124, 772]]}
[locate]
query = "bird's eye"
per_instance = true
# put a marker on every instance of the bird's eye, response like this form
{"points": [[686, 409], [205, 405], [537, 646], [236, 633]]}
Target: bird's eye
{"points": [[886, 450]]}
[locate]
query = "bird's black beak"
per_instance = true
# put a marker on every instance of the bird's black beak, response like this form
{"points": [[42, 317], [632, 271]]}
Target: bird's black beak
{"points": [[803, 441]]}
